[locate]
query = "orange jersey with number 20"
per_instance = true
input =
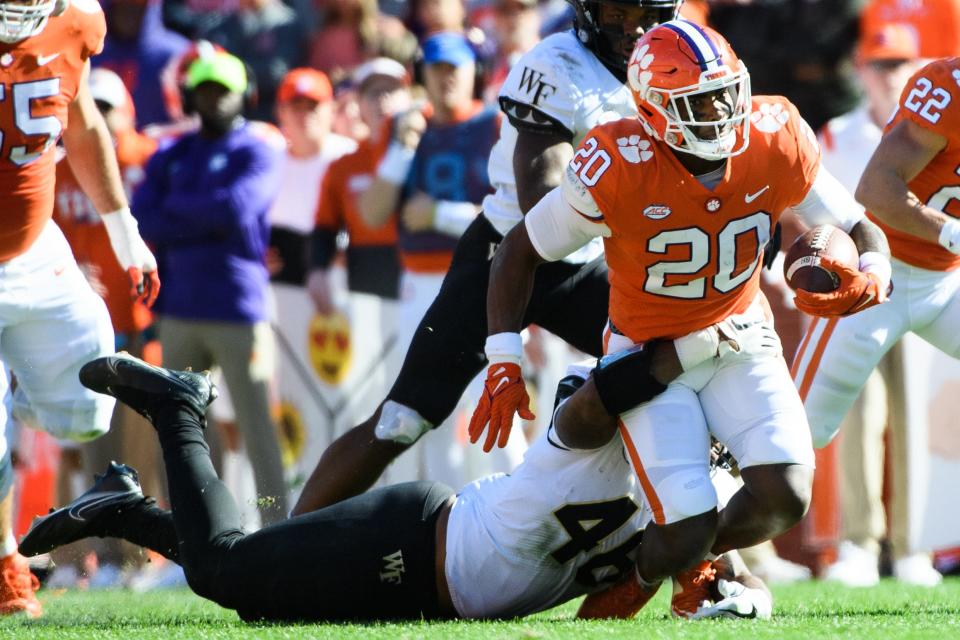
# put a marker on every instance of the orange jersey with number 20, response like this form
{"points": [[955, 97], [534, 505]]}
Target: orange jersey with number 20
{"points": [[683, 257]]}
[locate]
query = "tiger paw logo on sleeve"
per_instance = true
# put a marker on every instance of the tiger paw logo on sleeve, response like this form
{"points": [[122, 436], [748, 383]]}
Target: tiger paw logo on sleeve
{"points": [[634, 149], [769, 118]]}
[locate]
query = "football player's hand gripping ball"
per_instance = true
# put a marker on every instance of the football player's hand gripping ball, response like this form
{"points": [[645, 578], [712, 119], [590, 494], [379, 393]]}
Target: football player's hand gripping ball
{"points": [[857, 291]]}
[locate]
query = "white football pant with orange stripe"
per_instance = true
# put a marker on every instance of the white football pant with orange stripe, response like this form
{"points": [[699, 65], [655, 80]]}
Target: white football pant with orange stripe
{"points": [[837, 355], [51, 324], [747, 401]]}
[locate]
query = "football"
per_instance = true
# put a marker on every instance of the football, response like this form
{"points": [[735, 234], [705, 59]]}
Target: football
{"points": [[802, 269]]}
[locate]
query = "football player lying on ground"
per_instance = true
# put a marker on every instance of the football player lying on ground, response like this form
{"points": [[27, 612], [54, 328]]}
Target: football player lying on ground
{"points": [[685, 197], [507, 545]]}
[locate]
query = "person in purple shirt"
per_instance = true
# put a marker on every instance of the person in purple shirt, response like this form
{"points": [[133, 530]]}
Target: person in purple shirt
{"points": [[203, 204], [137, 48]]}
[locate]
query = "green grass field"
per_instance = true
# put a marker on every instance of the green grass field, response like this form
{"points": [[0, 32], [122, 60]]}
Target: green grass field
{"points": [[813, 610]]}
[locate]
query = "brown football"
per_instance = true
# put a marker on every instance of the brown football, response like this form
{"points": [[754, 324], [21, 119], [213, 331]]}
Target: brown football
{"points": [[802, 269]]}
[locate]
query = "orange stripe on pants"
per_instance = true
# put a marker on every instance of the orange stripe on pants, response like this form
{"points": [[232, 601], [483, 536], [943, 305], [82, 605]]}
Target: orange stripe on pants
{"points": [[652, 498], [803, 348], [606, 338], [816, 357]]}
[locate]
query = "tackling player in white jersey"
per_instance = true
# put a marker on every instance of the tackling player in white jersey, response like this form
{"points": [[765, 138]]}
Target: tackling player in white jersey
{"points": [[507, 545]]}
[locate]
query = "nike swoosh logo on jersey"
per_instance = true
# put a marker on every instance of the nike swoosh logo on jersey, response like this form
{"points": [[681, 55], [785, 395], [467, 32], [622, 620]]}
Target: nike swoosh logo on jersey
{"points": [[42, 60], [750, 197]]}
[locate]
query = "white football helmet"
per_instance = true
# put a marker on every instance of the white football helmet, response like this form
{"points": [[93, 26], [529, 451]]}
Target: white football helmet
{"points": [[22, 19]]}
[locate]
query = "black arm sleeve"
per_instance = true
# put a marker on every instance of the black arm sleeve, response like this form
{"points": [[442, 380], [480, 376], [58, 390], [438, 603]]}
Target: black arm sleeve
{"points": [[323, 247], [526, 118]]}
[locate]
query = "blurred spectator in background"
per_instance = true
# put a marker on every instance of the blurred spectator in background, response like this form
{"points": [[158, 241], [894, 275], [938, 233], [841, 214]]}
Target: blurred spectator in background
{"points": [[76, 216], [888, 54], [204, 203], [802, 49], [935, 24], [516, 29], [173, 79], [352, 31], [427, 17], [434, 174], [137, 47], [373, 267], [305, 112], [268, 34]]}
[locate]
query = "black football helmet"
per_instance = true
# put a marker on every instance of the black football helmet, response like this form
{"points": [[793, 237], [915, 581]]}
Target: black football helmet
{"points": [[607, 41]]}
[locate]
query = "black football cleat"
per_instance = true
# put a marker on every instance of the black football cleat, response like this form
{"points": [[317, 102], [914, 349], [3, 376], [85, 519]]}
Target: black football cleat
{"points": [[144, 387], [112, 492]]}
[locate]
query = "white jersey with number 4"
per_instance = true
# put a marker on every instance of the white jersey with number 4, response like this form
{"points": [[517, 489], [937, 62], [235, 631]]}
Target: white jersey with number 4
{"points": [[562, 524], [561, 82]]}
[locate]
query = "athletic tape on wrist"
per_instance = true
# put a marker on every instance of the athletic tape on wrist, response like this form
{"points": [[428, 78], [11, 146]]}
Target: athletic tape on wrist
{"points": [[504, 347], [950, 236], [878, 264], [395, 164], [454, 217]]}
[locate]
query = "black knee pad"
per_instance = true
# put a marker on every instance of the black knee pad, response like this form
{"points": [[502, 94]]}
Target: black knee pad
{"points": [[624, 379]]}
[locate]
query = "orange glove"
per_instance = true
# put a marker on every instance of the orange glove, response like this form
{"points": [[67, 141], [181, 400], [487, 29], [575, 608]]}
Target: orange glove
{"points": [[857, 291], [144, 286], [133, 255], [504, 394]]}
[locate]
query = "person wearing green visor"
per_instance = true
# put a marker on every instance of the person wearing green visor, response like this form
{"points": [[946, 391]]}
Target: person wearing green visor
{"points": [[204, 204]]}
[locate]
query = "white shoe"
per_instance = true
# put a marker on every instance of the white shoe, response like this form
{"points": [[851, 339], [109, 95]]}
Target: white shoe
{"points": [[916, 569], [169, 575], [777, 570], [64, 576], [855, 566], [738, 601], [108, 576]]}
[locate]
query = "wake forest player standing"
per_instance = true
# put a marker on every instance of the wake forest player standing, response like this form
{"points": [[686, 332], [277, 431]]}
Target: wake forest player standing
{"points": [[566, 85]]}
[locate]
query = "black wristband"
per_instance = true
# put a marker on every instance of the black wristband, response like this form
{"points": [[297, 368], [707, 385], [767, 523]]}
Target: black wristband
{"points": [[624, 379]]}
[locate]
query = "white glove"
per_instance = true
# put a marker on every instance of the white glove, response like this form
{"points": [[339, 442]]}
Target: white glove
{"points": [[738, 601], [133, 255], [748, 336]]}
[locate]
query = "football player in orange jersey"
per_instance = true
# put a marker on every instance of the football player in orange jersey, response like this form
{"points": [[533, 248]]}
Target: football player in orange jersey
{"points": [[51, 320], [911, 188], [685, 198]]}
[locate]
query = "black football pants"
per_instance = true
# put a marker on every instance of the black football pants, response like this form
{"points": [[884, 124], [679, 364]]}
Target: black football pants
{"points": [[369, 557], [568, 300]]}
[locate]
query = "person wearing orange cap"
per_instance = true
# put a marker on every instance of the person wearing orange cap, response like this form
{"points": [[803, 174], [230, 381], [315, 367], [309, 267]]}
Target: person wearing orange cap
{"points": [[304, 112], [887, 55], [934, 23]]}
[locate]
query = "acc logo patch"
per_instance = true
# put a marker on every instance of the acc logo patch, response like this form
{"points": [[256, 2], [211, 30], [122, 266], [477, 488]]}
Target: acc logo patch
{"points": [[657, 211], [769, 118], [634, 149]]}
